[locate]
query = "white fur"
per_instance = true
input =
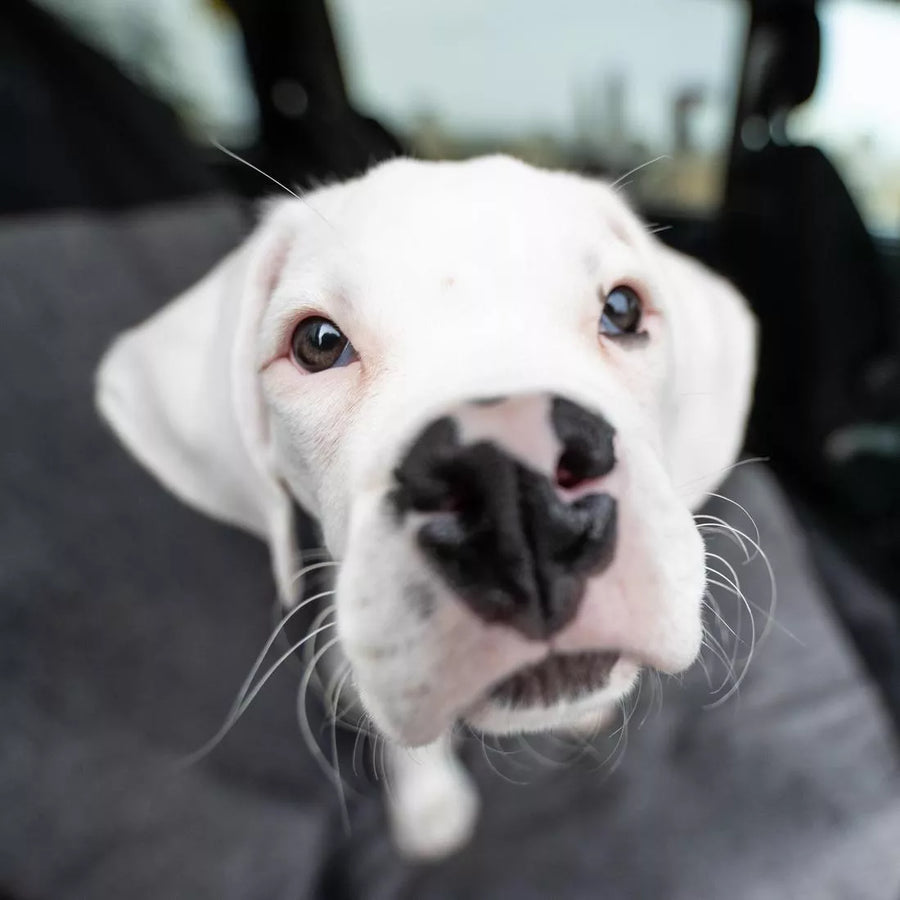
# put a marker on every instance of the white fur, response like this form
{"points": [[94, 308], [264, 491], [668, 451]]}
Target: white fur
{"points": [[434, 803], [454, 281]]}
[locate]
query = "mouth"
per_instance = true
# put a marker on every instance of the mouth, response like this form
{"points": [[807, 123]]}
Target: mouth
{"points": [[559, 677]]}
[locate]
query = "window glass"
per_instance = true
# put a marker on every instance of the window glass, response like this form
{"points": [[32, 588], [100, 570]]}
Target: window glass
{"points": [[188, 52], [582, 83], [854, 114]]}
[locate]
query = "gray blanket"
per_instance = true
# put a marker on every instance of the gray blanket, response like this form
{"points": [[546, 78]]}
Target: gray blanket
{"points": [[127, 623]]}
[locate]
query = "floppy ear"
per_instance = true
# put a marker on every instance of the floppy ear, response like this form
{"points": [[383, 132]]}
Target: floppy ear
{"points": [[714, 349], [181, 392]]}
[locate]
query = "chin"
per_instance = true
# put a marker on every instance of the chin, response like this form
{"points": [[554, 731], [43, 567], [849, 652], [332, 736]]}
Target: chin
{"points": [[570, 692]]}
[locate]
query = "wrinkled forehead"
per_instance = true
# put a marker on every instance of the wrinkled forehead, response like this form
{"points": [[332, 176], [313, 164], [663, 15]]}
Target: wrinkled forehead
{"points": [[496, 224]]}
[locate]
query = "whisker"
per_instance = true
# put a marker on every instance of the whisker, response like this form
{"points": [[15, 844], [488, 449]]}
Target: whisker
{"points": [[335, 759], [268, 646], [333, 692], [734, 581], [508, 754], [660, 691], [773, 592], [619, 181], [727, 585], [578, 746], [742, 508], [732, 634], [312, 568], [256, 169], [618, 751], [281, 659], [316, 554], [331, 696], [653, 687], [590, 747], [713, 606], [309, 650], [362, 732], [730, 582], [244, 699], [752, 646], [376, 737], [542, 758], [718, 651], [271, 178], [715, 525], [722, 471], [384, 769], [487, 759], [332, 772], [525, 745]]}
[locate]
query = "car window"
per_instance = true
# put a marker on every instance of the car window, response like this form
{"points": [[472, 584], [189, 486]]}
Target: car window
{"points": [[188, 52], [854, 114], [575, 83]]}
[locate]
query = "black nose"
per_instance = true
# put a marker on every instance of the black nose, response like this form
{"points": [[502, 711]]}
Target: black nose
{"points": [[500, 533]]}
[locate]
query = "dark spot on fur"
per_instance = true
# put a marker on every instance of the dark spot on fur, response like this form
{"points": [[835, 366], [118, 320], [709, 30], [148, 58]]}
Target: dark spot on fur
{"points": [[421, 598]]}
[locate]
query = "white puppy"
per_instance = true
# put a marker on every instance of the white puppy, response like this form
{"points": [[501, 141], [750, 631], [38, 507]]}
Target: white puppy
{"points": [[500, 397]]}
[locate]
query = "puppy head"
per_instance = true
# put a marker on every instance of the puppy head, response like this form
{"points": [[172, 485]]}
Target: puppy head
{"points": [[500, 397]]}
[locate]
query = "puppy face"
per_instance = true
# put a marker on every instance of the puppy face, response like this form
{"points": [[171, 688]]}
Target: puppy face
{"points": [[500, 397], [487, 457]]}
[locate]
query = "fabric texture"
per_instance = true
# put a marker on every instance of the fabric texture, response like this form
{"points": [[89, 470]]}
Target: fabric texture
{"points": [[127, 623]]}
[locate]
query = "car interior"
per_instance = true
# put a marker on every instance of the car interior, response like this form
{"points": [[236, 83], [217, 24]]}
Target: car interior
{"points": [[119, 186]]}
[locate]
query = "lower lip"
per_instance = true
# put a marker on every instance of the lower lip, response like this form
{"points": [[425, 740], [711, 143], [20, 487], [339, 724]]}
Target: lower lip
{"points": [[558, 678]]}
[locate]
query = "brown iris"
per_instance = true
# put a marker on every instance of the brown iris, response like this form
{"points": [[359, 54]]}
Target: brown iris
{"points": [[318, 344]]}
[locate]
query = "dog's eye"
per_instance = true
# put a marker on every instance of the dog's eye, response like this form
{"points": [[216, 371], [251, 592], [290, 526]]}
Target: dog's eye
{"points": [[318, 344], [621, 312]]}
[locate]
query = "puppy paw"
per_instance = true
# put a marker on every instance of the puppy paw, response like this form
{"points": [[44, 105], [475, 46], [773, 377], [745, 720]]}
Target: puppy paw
{"points": [[433, 804]]}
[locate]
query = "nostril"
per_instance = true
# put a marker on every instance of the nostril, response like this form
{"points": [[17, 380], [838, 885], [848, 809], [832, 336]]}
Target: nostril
{"points": [[436, 496], [450, 501], [463, 493], [449, 487], [586, 441], [573, 469], [448, 504]]}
